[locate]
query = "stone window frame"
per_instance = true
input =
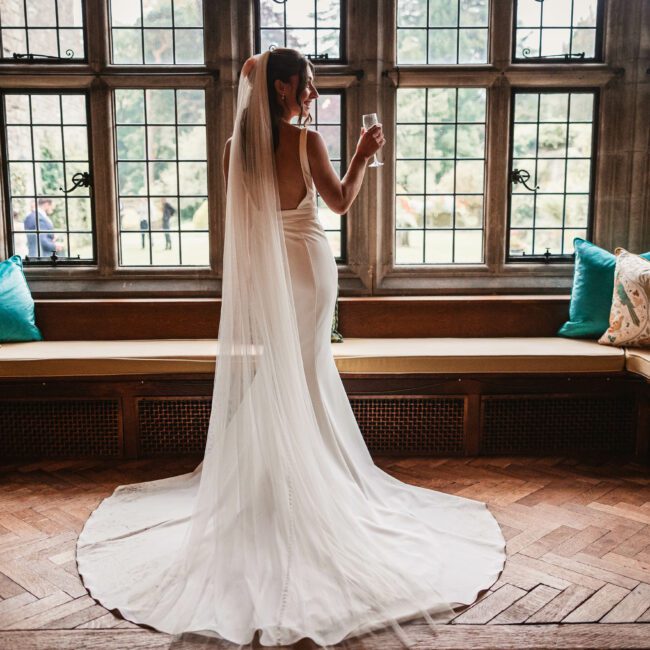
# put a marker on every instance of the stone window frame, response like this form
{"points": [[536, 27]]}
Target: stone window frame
{"points": [[368, 79]]}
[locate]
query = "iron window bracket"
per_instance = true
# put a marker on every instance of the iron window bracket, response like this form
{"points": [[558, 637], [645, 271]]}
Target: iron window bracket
{"points": [[32, 56], [80, 179], [522, 176]]}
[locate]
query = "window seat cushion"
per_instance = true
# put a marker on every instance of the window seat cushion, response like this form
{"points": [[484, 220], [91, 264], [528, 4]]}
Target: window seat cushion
{"points": [[637, 360], [353, 355], [475, 355]]}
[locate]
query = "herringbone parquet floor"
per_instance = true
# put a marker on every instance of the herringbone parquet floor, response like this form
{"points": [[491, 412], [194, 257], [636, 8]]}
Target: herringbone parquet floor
{"points": [[577, 573]]}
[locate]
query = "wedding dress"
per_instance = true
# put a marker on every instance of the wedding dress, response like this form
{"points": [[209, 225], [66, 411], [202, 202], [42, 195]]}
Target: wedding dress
{"points": [[287, 526]]}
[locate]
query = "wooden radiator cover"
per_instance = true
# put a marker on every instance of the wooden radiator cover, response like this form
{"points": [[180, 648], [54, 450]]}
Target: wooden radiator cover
{"points": [[397, 415], [557, 423], [53, 428]]}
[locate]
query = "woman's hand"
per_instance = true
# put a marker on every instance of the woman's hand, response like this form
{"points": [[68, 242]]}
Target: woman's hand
{"points": [[370, 141]]}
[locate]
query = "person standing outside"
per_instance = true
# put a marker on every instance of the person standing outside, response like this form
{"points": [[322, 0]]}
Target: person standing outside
{"points": [[47, 240], [167, 212], [144, 226]]}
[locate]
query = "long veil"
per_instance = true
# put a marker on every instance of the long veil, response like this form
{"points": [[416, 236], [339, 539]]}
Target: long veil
{"points": [[280, 537]]}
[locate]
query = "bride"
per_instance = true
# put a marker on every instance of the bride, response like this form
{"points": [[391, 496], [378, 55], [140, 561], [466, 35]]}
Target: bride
{"points": [[286, 528]]}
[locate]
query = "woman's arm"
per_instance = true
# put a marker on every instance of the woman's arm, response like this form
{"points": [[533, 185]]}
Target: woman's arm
{"points": [[337, 193]]}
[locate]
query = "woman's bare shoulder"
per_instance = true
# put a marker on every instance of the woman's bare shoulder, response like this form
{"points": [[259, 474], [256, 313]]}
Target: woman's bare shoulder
{"points": [[315, 144]]}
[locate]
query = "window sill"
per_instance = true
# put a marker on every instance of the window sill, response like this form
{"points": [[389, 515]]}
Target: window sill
{"points": [[518, 278], [161, 282]]}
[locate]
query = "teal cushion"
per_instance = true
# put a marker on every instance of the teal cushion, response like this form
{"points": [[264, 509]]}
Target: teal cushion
{"points": [[16, 304], [591, 295]]}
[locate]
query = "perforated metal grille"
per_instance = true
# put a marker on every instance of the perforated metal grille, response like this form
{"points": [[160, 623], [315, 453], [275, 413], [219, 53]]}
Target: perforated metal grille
{"points": [[59, 428], [411, 425], [173, 425], [530, 424]]}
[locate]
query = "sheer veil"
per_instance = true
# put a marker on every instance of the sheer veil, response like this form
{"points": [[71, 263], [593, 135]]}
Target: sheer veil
{"points": [[281, 537]]}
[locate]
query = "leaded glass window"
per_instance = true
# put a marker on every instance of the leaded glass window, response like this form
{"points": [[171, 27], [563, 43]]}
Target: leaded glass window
{"points": [[156, 32], [552, 171], [442, 32], [160, 142], [43, 30], [439, 175], [311, 26], [327, 115], [46, 149], [558, 30]]}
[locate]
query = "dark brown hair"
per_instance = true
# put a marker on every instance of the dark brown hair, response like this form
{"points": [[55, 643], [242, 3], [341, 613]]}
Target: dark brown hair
{"points": [[283, 63]]}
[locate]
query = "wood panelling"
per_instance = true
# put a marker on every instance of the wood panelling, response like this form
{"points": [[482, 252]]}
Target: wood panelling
{"points": [[460, 316], [115, 319], [447, 418], [359, 317]]}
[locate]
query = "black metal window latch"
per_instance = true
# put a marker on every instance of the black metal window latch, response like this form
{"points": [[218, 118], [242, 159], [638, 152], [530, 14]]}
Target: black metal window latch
{"points": [[80, 179], [52, 259], [521, 176], [31, 56]]}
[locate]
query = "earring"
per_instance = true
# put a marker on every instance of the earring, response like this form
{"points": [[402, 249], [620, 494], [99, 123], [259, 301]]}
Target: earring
{"points": [[283, 97]]}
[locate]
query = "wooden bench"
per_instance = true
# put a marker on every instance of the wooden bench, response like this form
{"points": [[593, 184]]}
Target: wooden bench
{"points": [[436, 376]]}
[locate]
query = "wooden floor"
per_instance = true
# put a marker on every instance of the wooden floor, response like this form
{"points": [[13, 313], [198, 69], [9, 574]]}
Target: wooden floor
{"points": [[577, 573]]}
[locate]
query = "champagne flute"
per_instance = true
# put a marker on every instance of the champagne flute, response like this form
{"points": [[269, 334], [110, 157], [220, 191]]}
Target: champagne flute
{"points": [[369, 120]]}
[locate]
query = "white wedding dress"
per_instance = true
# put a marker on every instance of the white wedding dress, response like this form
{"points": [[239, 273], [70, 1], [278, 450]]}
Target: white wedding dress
{"points": [[302, 534]]}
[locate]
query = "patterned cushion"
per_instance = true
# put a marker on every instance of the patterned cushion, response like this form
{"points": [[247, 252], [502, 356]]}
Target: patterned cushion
{"points": [[629, 319], [591, 295]]}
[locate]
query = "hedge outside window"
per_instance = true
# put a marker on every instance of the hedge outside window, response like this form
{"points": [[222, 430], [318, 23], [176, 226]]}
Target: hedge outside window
{"points": [[328, 120], [552, 145], [311, 26], [558, 30], [439, 172], [42, 30], [159, 32], [442, 32], [162, 177], [47, 153]]}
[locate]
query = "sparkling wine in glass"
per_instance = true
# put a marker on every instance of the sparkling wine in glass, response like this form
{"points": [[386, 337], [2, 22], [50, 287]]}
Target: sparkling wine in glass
{"points": [[369, 120]]}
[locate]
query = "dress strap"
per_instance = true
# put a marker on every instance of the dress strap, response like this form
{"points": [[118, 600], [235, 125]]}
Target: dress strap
{"points": [[304, 160]]}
